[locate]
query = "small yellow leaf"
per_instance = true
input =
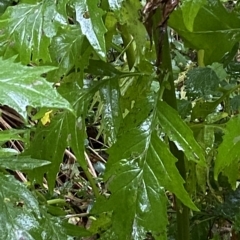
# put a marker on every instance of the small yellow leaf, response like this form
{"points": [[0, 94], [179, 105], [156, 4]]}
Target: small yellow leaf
{"points": [[46, 118]]}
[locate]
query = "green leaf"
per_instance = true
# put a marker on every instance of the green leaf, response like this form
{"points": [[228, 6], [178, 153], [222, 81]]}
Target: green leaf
{"points": [[70, 50], [200, 229], [89, 16], [7, 152], [212, 22], [184, 108], [235, 103], [21, 163], [66, 50], [49, 143], [21, 216], [28, 30], [201, 82], [228, 151], [129, 16], [64, 130], [115, 4], [219, 70], [202, 109], [190, 10], [178, 131], [232, 172], [102, 223], [4, 4], [139, 168], [100, 68], [112, 113], [12, 134], [24, 87]]}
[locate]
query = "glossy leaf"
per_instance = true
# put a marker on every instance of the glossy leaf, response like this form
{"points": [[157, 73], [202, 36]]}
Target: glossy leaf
{"points": [[178, 131], [21, 216], [212, 22], [115, 4], [66, 49], [139, 168], [7, 152], [65, 130], [22, 163], [228, 151], [89, 16], [190, 10], [28, 29], [4, 4], [24, 87], [112, 112], [51, 141]]}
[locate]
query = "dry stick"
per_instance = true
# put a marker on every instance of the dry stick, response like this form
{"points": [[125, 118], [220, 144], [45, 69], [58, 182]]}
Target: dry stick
{"points": [[7, 126], [95, 140], [11, 115], [92, 170], [97, 154], [76, 215], [89, 177]]}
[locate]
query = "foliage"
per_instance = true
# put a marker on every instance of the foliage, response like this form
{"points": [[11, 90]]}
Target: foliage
{"points": [[161, 94]]}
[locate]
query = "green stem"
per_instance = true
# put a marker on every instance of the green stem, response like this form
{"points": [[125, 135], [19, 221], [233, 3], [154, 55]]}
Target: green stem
{"points": [[183, 230], [92, 183], [200, 55], [116, 47], [56, 201], [169, 96], [128, 45]]}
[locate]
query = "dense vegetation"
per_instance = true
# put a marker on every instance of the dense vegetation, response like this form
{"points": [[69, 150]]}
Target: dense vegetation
{"points": [[119, 119]]}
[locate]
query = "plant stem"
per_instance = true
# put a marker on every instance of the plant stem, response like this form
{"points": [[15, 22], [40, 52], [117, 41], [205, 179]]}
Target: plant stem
{"points": [[183, 232], [169, 96], [92, 183], [200, 55], [56, 201], [128, 45]]}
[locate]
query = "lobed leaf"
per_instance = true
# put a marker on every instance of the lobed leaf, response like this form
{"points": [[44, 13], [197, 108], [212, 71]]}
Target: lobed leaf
{"points": [[21, 216], [201, 83], [28, 28], [66, 49], [178, 131], [24, 87], [65, 130], [139, 169], [89, 16], [228, 152], [49, 143]]}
